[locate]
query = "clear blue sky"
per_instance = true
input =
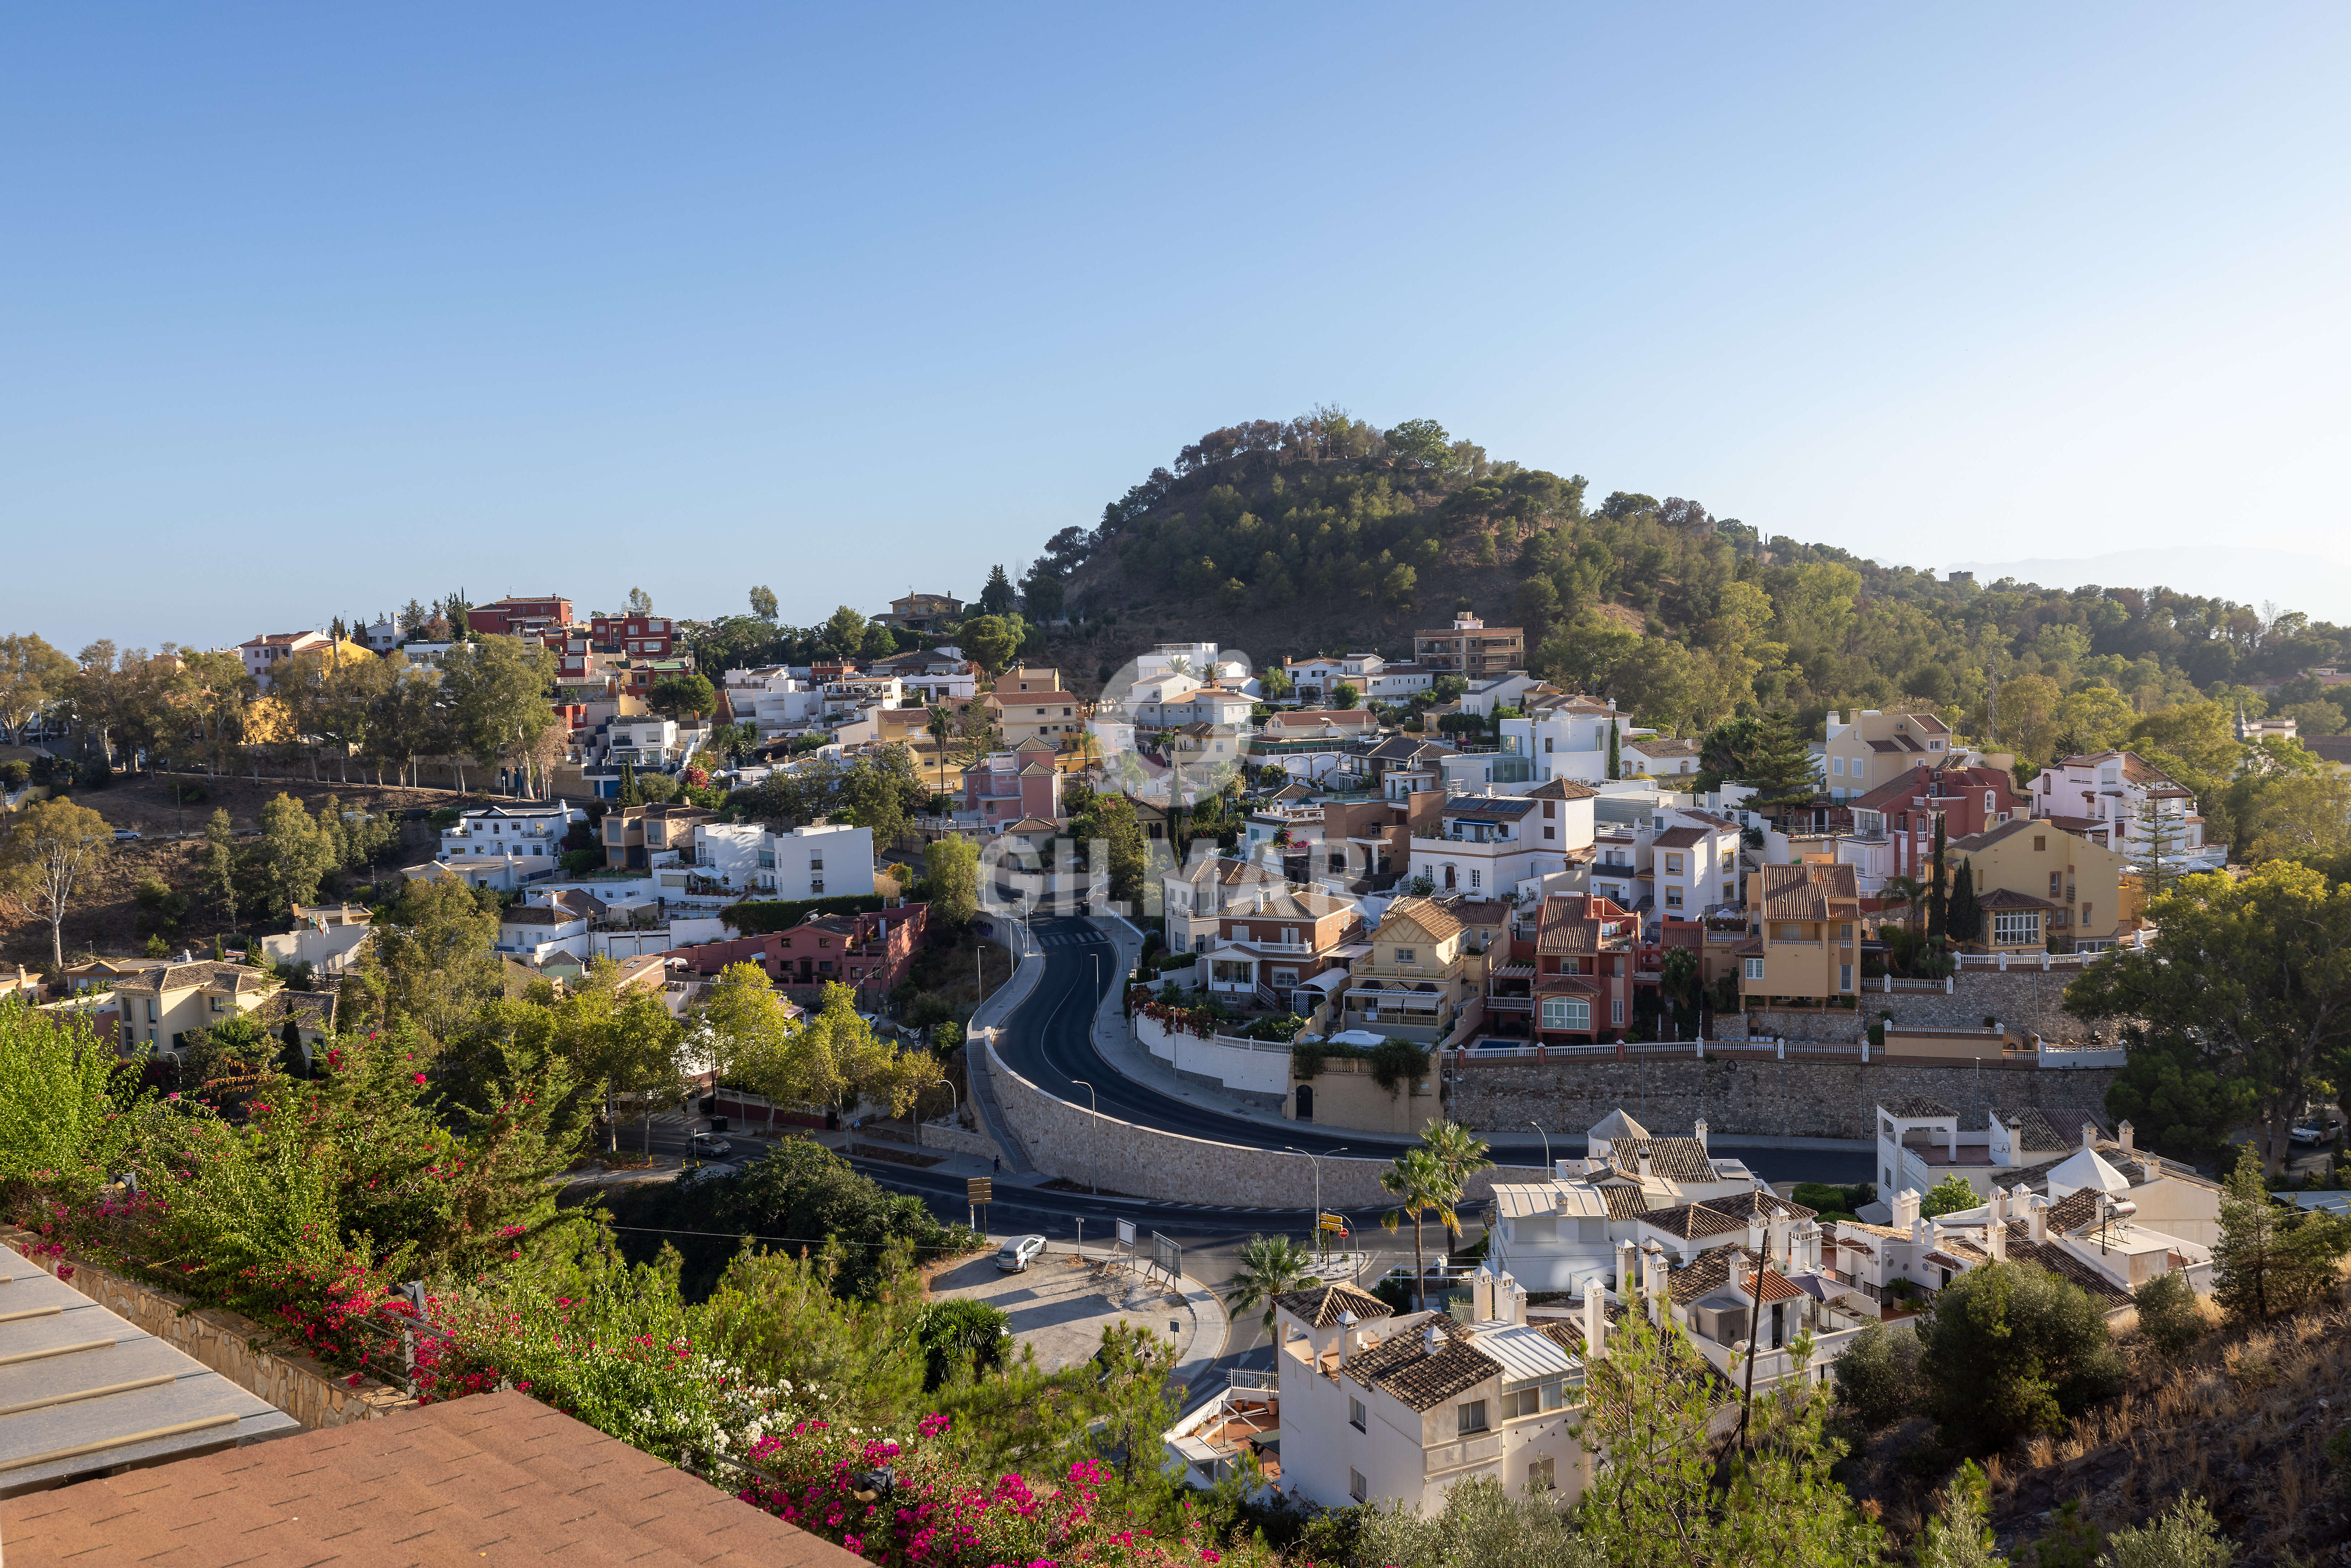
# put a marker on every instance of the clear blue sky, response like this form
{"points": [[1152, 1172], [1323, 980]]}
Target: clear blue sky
{"points": [[307, 310]]}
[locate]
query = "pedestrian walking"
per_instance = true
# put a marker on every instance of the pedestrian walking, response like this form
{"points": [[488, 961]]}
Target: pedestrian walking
{"points": [[996, 1166]]}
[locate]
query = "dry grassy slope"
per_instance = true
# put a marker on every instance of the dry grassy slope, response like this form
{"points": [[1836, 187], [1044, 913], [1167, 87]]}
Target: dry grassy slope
{"points": [[105, 916], [2244, 1425]]}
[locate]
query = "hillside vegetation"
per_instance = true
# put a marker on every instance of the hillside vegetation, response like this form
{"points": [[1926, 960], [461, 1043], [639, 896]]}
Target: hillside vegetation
{"points": [[1283, 538]]}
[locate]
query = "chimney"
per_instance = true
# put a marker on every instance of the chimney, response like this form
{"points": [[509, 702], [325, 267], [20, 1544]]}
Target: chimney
{"points": [[1780, 1224], [1595, 1322], [2123, 1136], [1655, 1277], [2036, 1214], [1996, 1234], [1432, 1338], [1756, 1234], [1905, 1209], [1511, 1308], [1645, 1165], [2089, 1134], [1347, 1322], [1481, 1295], [1738, 1276], [1626, 1287]]}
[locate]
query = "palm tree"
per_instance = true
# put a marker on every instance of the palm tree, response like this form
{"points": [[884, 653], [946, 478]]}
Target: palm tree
{"points": [[1418, 1181], [1460, 1152], [1270, 1266]]}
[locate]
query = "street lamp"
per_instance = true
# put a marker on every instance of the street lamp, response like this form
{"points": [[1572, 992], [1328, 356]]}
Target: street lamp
{"points": [[1094, 1159], [1546, 1138], [1316, 1162]]}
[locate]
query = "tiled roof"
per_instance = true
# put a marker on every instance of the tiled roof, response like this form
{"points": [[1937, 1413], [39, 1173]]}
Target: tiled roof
{"points": [[1400, 1364], [205, 972], [1562, 790], [1675, 1159], [1754, 1200], [1429, 914], [2075, 1210], [1805, 892], [1479, 911], [1682, 838], [1654, 746], [310, 1009], [1626, 1201], [1690, 1221], [421, 1485], [2021, 1248], [1910, 1105], [1567, 924], [1710, 1271], [538, 914], [1888, 1231], [1320, 1306], [2029, 1129], [2009, 898]]}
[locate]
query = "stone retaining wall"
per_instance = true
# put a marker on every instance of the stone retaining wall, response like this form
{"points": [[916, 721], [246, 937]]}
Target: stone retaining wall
{"points": [[236, 1347], [958, 1140], [2025, 999], [1143, 1162], [1756, 1097]]}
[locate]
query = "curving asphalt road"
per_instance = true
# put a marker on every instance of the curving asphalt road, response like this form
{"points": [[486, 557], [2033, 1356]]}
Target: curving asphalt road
{"points": [[1049, 1040]]}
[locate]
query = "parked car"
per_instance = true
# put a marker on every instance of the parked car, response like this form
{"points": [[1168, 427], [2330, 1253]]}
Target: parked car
{"points": [[2309, 1133], [708, 1145], [123, 835], [1020, 1252]]}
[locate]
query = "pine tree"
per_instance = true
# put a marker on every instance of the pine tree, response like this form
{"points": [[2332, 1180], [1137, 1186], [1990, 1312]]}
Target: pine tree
{"points": [[995, 598], [1782, 769]]}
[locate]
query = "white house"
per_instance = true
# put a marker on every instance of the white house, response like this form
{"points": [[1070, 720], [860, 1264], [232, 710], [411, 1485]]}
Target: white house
{"points": [[265, 654], [774, 697], [2119, 800], [528, 834], [820, 862], [1567, 737], [532, 932]]}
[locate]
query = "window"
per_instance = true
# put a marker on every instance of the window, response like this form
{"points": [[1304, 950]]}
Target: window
{"points": [[1836, 766], [1542, 1475], [1407, 955], [1673, 898], [2056, 884], [1673, 865], [1565, 1012], [1355, 1419], [1532, 1400], [1844, 977], [2022, 926], [1477, 879], [1617, 1011], [1992, 802], [1790, 931], [1469, 1416], [1845, 930], [217, 1004], [1754, 969], [1358, 1487], [2039, 842], [2085, 914]]}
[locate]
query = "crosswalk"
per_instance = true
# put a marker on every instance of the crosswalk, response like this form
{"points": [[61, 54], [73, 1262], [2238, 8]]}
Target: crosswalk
{"points": [[1067, 938]]}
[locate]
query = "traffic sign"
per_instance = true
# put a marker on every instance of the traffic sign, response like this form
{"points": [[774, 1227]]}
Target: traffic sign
{"points": [[980, 1189], [1127, 1233]]}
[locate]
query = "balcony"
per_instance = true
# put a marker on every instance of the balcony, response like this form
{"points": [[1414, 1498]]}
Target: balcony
{"points": [[1483, 1448]]}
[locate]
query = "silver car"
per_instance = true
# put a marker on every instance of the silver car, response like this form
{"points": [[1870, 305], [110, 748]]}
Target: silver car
{"points": [[1020, 1252]]}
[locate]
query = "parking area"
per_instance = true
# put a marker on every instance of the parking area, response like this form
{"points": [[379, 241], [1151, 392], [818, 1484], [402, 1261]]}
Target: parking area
{"points": [[1059, 1306]]}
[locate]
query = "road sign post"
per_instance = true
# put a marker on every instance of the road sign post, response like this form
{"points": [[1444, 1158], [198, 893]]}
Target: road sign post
{"points": [[1166, 1254], [978, 1191]]}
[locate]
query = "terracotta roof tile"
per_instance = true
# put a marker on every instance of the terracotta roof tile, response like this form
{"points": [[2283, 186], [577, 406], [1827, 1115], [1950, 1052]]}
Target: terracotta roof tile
{"points": [[1675, 1159], [1400, 1364], [1320, 1306]]}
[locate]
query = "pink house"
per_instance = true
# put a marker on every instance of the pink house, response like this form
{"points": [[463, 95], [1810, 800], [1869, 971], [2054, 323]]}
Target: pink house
{"points": [[1011, 786]]}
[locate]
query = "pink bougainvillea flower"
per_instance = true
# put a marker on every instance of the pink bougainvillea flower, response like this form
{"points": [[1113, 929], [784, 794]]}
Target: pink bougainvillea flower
{"points": [[420, 1077]]}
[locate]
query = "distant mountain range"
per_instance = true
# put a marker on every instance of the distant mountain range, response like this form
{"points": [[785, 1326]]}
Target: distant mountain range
{"points": [[2319, 588]]}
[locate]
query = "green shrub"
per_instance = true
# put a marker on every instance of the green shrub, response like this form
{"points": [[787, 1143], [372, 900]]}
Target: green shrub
{"points": [[1877, 1375], [757, 917], [2012, 1350], [2168, 1315], [961, 1337]]}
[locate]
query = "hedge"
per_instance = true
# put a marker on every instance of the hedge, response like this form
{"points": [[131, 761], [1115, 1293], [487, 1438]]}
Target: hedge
{"points": [[756, 917]]}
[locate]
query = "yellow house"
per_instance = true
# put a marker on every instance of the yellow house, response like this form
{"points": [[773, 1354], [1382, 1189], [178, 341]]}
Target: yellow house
{"points": [[1804, 925], [161, 1007], [1419, 974], [2036, 884]]}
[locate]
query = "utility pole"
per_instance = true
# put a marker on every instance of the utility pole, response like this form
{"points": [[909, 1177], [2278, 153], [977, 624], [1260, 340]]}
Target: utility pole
{"points": [[1092, 1158], [1315, 1163]]}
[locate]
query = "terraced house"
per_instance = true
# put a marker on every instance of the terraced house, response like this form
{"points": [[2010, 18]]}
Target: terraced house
{"points": [[1419, 975], [1806, 927]]}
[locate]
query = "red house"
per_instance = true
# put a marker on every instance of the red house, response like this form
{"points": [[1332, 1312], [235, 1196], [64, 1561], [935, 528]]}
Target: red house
{"points": [[533, 619], [871, 951], [638, 636], [1014, 786], [1585, 965], [1902, 811]]}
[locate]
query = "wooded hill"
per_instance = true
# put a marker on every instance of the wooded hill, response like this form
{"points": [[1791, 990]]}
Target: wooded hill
{"points": [[1322, 533]]}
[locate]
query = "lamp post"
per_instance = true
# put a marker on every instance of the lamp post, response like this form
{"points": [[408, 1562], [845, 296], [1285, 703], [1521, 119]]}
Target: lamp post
{"points": [[1546, 1138], [1092, 1159], [1315, 1162]]}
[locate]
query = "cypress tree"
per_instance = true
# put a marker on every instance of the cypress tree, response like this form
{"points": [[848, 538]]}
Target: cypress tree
{"points": [[1965, 920], [1934, 900], [1613, 763]]}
